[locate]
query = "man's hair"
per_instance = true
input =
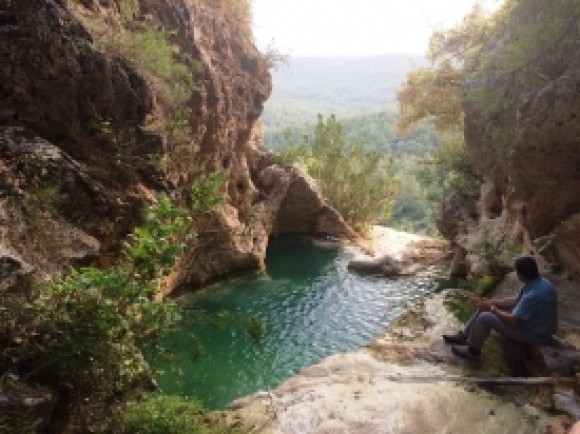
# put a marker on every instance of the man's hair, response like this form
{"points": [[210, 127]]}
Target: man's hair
{"points": [[527, 267]]}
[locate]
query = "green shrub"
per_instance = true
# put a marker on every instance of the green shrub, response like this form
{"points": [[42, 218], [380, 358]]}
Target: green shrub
{"points": [[93, 323], [483, 285], [493, 250], [459, 307], [207, 192], [165, 414], [169, 71], [93, 319], [160, 414], [359, 184], [19, 423]]}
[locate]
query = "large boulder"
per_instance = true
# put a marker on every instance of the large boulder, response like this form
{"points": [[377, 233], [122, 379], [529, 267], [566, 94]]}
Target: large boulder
{"points": [[304, 210]]}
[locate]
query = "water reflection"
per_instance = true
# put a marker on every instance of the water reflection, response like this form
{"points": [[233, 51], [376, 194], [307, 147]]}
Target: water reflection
{"points": [[310, 307]]}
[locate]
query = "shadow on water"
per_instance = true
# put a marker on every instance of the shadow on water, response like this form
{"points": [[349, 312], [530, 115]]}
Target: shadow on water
{"points": [[310, 308], [296, 258]]}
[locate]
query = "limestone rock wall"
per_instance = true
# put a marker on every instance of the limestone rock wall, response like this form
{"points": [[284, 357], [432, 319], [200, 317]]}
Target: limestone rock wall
{"points": [[74, 122], [531, 197], [545, 165]]}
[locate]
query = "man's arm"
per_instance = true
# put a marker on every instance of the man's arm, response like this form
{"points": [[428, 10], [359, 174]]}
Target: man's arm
{"points": [[504, 303], [482, 303], [508, 318], [497, 307]]}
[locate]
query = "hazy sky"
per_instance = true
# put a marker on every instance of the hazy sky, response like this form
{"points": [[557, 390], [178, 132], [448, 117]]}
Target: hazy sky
{"points": [[354, 27]]}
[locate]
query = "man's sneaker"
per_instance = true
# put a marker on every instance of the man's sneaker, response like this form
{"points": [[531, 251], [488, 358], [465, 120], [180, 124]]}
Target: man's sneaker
{"points": [[466, 353], [458, 339]]}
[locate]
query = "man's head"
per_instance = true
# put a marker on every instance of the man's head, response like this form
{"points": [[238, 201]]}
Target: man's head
{"points": [[527, 268]]}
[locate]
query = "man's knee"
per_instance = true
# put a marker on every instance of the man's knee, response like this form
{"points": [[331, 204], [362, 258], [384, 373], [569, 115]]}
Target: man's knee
{"points": [[488, 318]]}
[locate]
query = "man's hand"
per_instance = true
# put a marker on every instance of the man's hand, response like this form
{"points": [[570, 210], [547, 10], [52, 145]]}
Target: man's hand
{"points": [[485, 304], [480, 303]]}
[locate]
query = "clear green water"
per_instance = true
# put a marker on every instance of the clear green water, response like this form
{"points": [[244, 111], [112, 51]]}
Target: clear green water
{"points": [[311, 307]]}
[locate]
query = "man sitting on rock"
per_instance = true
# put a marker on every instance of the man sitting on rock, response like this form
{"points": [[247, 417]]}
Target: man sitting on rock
{"points": [[531, 317]]}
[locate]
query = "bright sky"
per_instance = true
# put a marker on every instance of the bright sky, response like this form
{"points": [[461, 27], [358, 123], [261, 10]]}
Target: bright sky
{"points": [[354, 27]]}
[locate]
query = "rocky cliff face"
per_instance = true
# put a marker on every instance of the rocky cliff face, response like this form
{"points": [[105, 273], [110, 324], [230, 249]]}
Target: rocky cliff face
{"points": [[80, 159], [529, 196]]}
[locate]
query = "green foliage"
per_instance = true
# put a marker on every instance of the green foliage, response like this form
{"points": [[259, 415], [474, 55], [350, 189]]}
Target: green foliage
{"points": [[452, 282], [482, 286], [44, 195], [93, 322], [458, 305], [254, 327], [93, 318], [159, 414], [170, 72], [162, 414], [448, 170], [495, 250], [432, 93], [128, 9], [504, 58], [413, 210], [19, 423], [376, 129], [359, 184], [149, 46], [40, 204], [154, 246], [207, 192]]}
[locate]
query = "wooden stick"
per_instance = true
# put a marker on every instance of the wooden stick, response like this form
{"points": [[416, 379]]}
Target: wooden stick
{"points": [[515, 381]]}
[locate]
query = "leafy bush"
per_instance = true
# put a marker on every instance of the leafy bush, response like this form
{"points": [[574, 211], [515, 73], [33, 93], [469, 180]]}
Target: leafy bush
{"points": [[358, 183], [159, 414], [170, 72], [483, 285], [207, 192], [93, 323], [93, 318], [458, 305], [164, 414], [19, 423], [495, 251]]}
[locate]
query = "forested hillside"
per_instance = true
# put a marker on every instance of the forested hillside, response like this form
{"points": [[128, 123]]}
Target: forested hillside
{"points": [[378, 130], [362, 94], [305, 85]]}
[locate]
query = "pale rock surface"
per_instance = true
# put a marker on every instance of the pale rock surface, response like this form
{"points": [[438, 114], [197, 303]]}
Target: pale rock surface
{"points": [[392, 385], [389, 252], [376, 390]]}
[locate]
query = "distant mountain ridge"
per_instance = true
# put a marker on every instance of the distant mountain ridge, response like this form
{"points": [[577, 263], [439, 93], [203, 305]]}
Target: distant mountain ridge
{"points": [[333, 84]]}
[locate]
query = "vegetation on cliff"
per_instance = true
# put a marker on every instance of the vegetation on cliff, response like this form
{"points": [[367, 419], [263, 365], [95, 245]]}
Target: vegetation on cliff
{"points": [[359, 183], [493, 63], [83, 336]]}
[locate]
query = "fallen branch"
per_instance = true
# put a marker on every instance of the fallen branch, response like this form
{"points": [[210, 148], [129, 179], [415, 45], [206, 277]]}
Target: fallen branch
{"points": [[511, 381]]}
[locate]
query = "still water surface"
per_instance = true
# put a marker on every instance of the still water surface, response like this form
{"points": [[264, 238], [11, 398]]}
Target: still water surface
{"points": [[310, 306]]}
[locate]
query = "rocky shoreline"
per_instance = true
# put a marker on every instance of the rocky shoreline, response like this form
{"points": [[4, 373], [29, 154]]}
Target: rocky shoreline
{"points": [[395, 384], [404, 381]]}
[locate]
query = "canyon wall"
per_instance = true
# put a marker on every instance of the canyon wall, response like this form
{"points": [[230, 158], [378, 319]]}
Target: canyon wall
{"points": [[530, 195], [82, 151], [522, 132]]}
